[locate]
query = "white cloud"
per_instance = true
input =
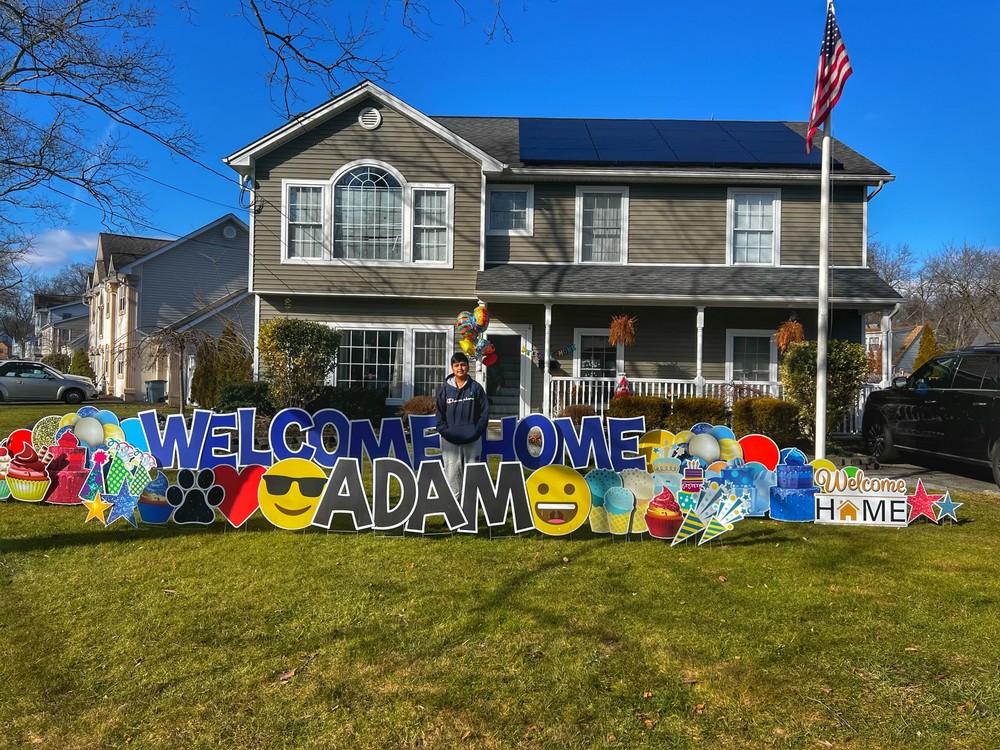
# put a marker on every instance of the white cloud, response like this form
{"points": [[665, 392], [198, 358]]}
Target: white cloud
{"points": [[55, 248]]}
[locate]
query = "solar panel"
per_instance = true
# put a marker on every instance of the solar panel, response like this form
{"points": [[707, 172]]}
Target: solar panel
{"points": [[662, 142]]}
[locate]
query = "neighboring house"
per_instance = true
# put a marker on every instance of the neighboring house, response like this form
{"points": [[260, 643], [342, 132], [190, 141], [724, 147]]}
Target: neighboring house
{"points": [[904, 345], [145, 290], [61, 320], [993, 336], [4, 346], [385, 223]]}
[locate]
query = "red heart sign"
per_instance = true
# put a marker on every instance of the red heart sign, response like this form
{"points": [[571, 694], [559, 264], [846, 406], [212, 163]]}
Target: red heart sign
{"points": [[241, 492]]}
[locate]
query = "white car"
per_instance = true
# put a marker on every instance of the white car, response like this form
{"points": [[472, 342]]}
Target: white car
{"points": [[35, 381]]}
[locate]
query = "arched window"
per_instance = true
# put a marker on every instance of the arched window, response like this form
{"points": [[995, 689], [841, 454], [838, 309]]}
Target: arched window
{"points": [[368, 215]]}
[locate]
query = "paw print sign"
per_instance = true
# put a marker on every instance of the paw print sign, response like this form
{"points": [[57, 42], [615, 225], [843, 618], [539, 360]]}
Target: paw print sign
{"points": [[195, 497]]}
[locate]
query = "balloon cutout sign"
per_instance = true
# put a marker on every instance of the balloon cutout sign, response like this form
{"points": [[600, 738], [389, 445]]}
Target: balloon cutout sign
{"points": [[471, 329], [608, 475]]}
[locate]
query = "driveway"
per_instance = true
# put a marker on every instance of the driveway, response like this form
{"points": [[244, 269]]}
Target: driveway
{"points": [[941, 475]]}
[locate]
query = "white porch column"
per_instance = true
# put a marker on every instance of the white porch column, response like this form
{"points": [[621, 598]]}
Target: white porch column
{"points": [[699, 380], [886, 325], [547, 376]]}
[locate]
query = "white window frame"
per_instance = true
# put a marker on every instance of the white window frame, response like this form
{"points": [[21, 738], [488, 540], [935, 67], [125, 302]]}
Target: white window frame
{"points": [[329, 196], [731, 224], [409, 228], [409, 340], [579, 333], [529, 219], [732, 333], [582, 190], [327, 219]]}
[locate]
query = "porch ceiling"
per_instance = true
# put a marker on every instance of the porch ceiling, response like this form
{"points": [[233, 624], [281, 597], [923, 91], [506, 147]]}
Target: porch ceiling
{"points": [[714, 286]]}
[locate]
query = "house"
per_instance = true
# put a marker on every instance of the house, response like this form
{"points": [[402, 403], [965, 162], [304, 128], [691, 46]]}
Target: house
{"points": [[992, 336], [904, 344], [146, 295], [61, 322], [375, 218]]}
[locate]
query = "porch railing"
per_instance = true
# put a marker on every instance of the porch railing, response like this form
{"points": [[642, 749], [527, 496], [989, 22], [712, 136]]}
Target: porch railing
{"points": [[598, 392]]}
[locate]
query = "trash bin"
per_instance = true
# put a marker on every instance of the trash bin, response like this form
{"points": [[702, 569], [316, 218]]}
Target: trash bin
{"points": [[155, 391]]}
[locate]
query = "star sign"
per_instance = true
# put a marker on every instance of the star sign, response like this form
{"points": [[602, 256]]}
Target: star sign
{"points": [[96, 509], [922, 504], [123, 506], [946, 508]]}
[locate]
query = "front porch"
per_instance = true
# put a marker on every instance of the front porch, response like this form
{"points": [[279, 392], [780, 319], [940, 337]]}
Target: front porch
{"points": [[598, 392]]}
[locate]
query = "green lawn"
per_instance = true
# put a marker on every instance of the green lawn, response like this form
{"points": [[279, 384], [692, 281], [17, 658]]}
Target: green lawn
{"points": [[15, 416], [788, 636]]}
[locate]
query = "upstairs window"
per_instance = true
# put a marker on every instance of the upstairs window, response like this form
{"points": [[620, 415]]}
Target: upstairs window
{"points": [[305, 222], [754, 218], [511, 210], [368, 216], [601, 225]]}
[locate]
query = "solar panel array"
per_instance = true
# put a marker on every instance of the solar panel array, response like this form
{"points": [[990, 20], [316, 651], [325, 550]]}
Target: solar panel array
{"points": [[662, 142]]}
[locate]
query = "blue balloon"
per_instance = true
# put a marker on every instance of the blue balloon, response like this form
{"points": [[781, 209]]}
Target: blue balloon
{"points": [[701, 427], [87, 411], [106, 417], [721, 432]]}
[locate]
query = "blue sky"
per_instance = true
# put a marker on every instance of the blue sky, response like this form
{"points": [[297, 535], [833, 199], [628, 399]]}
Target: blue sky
{"points": [[922, 101]]}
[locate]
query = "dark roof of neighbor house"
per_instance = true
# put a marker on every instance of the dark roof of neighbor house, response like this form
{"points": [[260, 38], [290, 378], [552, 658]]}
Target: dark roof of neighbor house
{"points": [[122, 249], [718, 285], [45, 301], [708, 144]]}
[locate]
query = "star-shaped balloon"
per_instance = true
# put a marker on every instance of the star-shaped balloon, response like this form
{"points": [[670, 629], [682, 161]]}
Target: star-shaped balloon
{"points": [[123, 505], [96, 509], [922, 504], [946, 507]]}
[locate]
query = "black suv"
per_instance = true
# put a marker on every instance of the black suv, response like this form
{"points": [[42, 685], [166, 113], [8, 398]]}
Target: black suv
{"points": [[949, 407]]}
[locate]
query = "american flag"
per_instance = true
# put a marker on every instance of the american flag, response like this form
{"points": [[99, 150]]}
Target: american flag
{"points": [[834, 70]]}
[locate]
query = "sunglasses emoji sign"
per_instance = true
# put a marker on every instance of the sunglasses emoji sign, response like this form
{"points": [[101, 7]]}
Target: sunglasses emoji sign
{"points": [[290, 491]]}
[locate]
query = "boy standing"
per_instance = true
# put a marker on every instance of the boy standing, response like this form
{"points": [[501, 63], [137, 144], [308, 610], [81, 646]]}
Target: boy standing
{"points": [[463, 414]]}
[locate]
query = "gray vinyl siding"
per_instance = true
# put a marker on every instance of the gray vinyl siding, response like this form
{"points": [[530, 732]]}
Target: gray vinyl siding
{"points": [[555, 227], [239, 314], [687, 224], [800, 226], [677, 224], [190, 276], [419, 155]]}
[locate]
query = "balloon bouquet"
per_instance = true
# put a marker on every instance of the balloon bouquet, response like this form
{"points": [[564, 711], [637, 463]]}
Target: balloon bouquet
{"points": [[471, 330]]}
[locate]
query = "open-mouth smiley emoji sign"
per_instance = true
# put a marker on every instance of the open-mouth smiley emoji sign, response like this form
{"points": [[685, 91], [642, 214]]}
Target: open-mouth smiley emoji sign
{"points": [[559, 499], [290, 491]]}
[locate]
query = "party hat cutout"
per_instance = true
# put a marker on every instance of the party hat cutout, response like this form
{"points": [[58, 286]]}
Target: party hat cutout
{"points": [[117, 475], [692, 525], [714, 529], [94, 485]]}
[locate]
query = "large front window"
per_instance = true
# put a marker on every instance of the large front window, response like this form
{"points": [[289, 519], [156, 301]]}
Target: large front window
{"points": [[405, 361], [368, 216], [602, 225], [754, 222]]}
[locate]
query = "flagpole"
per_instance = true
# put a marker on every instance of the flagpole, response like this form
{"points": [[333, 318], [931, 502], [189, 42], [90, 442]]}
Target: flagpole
{"points": [[823, 302]]}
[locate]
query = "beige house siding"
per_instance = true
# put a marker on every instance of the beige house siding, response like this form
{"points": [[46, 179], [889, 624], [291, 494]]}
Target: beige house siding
{"points": [[418, 155], [687, 224], [800, 226]]}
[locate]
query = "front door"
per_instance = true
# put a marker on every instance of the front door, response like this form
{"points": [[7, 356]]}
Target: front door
{"points": [[508, 380]]}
